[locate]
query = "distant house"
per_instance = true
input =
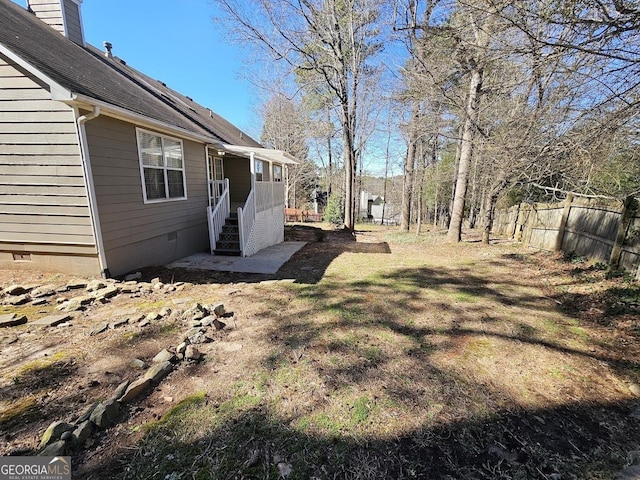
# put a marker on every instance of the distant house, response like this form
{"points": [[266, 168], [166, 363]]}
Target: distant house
{"points": [[373, 207], [104, 170]]}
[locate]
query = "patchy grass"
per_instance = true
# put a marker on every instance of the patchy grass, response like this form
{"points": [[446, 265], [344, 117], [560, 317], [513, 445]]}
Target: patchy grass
{"points": [[17, 410], [397, 357]]}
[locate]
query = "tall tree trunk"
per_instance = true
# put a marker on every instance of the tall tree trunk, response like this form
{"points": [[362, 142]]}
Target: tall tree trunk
{"points": [[456, 168], [409, 168], [466, 153], [490, 209]]}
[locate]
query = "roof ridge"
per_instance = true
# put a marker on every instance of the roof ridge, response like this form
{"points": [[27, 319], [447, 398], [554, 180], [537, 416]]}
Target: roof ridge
{"points": [[139, 80]]}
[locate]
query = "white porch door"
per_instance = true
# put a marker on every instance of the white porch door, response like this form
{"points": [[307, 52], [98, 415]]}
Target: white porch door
{"points": [[216, 179]]}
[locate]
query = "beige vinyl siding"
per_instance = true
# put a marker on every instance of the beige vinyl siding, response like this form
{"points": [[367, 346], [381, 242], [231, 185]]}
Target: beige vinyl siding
{"points": [[136, 234], [49, 12], [43, 197], [73, 22]]}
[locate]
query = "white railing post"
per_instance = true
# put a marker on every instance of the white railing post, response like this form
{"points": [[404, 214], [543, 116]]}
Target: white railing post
{"points": [[218, 214], [241, 230]]}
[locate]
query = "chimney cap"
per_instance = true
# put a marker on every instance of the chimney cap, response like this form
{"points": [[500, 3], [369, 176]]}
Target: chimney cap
{"points": [[108, 46]]}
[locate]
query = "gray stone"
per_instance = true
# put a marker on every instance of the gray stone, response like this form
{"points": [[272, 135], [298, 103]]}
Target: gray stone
{"points": [[164, 356], [164, 311], [155, 281], [153, 316], [95, 285], [106, 414], [191, 332], [51, 320], [43, 291], [196, 323], [218, 310], [15, 290], [192, 353], [99, 329], [54, 449], [158, 286], [12, 320], [158, 371], [207, 321], [119, 323], [76, 303], [137, 363], [145, 323], [196, 312], [635, 389], [180, 349], [135, 389], [54, 432], [133, 276], [200, 338], [107, 292], [129, 287], [86, 413], [218, 324], [120, 389], [9, 340], [76, 284], [82, 433], [39, 301], [66, 436], [19, 300]]}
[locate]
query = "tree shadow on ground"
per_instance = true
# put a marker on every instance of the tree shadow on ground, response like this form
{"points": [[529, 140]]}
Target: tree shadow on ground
{"points": [[473, 429], [308, 265], [581, 441]]}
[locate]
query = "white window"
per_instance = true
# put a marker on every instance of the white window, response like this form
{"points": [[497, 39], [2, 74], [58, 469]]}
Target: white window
{"points": [[259, 170], [277, 173], [161, 167]]}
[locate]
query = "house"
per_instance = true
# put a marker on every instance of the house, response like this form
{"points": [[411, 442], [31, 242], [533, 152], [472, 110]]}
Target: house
{"points": [[104, 170], [374, 207]]}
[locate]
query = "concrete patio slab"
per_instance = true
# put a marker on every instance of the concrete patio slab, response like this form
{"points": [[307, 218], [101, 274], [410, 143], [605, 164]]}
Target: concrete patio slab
{"points": [[266, 261]]}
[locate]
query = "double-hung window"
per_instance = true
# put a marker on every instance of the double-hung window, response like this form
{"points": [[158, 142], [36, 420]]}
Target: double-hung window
{"points": [[161, 167]]}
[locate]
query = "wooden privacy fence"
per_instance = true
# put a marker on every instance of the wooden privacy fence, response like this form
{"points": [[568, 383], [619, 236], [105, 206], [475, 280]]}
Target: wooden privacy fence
{"points": [[605, 231]]}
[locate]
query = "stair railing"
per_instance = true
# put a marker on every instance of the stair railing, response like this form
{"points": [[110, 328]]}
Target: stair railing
{"points": [[246, 218], [218, 214]]}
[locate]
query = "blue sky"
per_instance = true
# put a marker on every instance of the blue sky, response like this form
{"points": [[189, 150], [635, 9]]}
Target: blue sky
{"points": [[176, 42]]}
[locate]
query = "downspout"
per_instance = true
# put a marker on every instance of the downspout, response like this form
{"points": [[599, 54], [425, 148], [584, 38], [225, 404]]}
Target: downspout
{"points": [[252, 168], [91, 191]]}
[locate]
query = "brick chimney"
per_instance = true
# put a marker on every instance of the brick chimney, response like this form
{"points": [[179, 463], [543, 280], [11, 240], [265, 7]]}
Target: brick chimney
{"points": [[63, 15]]}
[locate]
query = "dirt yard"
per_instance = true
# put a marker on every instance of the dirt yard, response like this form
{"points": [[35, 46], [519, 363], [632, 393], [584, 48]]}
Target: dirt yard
{"points": [[379, 355]]}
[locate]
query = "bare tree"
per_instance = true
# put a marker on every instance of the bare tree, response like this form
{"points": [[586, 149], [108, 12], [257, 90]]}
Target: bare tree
{"points": [[333, 39], [284, 128]]}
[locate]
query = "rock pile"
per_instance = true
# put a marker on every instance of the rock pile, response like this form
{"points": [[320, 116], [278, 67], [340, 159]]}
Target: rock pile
{"points": [[61, 438], [92, 291]]}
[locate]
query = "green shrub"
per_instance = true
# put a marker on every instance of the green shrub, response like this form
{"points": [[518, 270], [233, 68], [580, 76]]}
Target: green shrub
{"points": [[333, 212]]}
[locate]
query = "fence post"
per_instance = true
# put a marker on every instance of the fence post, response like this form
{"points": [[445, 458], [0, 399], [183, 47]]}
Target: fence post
{"points": [[629, 206], [563, 222]]}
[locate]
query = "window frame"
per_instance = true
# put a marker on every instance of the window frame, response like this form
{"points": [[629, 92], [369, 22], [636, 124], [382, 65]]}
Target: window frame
{"points": [[259, 170], [164, 168], [278, 178]]}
